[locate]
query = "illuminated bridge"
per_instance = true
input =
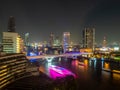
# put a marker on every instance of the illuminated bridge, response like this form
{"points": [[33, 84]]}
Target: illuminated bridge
{"points": [[67, 55]]}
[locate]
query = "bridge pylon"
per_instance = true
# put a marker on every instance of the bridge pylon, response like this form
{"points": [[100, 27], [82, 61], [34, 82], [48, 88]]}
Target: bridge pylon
{"points": [[49, 58]]}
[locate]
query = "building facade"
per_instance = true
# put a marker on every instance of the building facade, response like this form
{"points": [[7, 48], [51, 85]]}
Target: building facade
{"points": [[89, 38], [12, 68], [1, 47], [12, 42], [104, 43], [57, 42], [27, 42], [51, 39], [66, 41], [11, 24]]}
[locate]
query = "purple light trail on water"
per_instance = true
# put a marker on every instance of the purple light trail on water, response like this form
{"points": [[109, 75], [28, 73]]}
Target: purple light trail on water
{"points": [[59, 72]]}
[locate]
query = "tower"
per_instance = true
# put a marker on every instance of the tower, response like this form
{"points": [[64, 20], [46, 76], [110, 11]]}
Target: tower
{"points": [[27, 39], [57, 41], [12, 42], [51, 40], [11, 24], [89, 38], [104, 42], [66, 40]]}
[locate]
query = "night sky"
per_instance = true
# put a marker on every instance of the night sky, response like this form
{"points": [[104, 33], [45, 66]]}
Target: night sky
{"points": [[41, 17]]}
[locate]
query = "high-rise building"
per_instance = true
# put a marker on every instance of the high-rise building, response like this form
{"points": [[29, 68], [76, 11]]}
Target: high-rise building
{"points": [[66, 40], [12, 68], [11, 24], [51, 39], [1, 47], [57, 41], [27, 43], [12, 42], [104, 44], [89, 38]]}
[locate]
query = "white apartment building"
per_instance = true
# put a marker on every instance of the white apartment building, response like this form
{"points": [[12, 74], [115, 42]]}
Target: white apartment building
{"points": [[12, 42]]}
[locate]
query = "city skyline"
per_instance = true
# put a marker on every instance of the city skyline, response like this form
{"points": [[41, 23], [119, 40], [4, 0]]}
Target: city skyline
{"points": [[40, 18]]}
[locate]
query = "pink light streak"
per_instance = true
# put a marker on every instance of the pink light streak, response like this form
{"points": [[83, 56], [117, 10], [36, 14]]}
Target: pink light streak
{"points": [[56, 71]]}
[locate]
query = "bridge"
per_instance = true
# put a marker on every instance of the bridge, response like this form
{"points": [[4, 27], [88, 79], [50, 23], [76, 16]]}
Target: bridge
{"points": [[50, 57]]}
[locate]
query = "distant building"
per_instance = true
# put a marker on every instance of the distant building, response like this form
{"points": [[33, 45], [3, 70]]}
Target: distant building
{"points": [[11, 24], [57, 42], [66, 40], [1, 47], [51, 39], [104, 43], [89, 38], [12, 68], [27, 43], [12, 42]]}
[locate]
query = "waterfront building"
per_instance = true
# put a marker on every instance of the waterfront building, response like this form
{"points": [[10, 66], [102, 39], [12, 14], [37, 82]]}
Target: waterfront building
{"points": [[12, 42], [1, 47], [57, 42], [104, 43], [12, 68], [27, 43], [89, 38], [51, 39], [66, 41]]}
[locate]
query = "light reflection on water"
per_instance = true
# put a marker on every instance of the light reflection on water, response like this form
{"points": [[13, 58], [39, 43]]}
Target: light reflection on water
{"points": [[116, 76], [59, 72], [90, 71], [106, 65]]}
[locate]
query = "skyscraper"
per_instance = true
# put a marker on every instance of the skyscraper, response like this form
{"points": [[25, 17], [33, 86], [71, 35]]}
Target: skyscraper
{"points": [[12, 42], [51, 39], [27, 39], [66, 40], [11, 24], [57, 41], [104, 44], [1, 47], [89, 38]]}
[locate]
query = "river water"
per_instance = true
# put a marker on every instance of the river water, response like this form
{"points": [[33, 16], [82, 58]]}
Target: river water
{"points": [[88, 74]]}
